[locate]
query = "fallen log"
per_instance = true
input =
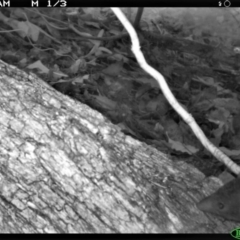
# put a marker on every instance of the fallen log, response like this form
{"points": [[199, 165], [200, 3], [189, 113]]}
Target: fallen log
{"points": [[65, 168]]}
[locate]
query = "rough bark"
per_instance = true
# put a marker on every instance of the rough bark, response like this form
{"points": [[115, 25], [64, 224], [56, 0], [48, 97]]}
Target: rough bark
{"points": [[66, 168]]}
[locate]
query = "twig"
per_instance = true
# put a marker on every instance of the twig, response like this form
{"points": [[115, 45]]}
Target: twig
{"points": [[170, 97]]}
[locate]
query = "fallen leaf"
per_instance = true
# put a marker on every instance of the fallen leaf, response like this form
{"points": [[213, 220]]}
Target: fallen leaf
{"points": [[113, 69]]}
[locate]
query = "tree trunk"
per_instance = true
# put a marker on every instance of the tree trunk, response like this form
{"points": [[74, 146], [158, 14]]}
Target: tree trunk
{"points": [[65, 168]]}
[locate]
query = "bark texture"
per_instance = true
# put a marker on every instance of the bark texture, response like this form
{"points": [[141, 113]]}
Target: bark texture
{"points": [[65, 168]]}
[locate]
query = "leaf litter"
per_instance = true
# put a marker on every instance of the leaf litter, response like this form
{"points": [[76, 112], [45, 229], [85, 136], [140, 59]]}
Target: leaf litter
{"points": [[86, 54]]}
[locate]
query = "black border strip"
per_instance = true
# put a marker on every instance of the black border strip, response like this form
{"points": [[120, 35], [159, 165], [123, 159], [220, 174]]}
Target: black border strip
{"points": [[120, 3]]}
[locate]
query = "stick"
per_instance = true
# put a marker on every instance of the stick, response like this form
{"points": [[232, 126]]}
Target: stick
{"points": [[170, 97]]}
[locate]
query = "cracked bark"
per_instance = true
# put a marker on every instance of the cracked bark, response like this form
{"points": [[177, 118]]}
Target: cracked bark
{"points": [[66, 168]]}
